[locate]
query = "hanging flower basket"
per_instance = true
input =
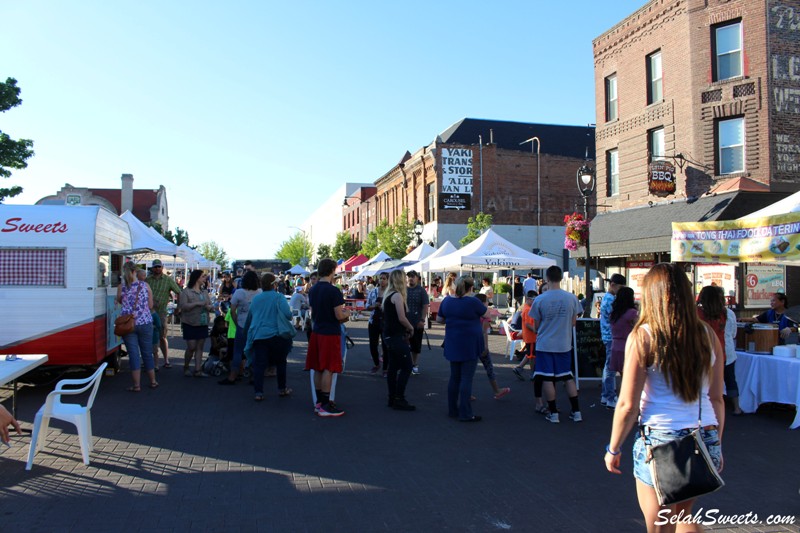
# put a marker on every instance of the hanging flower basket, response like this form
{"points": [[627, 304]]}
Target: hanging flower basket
{"points": [[577, 231]]}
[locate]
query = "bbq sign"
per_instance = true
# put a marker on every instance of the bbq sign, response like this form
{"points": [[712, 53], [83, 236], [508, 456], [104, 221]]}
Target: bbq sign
{"points": [[661, 178]]}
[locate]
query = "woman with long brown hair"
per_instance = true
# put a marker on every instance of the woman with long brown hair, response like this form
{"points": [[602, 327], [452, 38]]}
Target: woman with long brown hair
{"points": [[673, 362]]}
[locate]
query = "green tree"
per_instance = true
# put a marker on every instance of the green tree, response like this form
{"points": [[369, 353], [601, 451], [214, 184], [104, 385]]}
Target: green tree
{"points": [[323, 251], [345, 246], [213, 252], [13, 154], [296, 249], [476, 226], [393, 239], [180, 236]]}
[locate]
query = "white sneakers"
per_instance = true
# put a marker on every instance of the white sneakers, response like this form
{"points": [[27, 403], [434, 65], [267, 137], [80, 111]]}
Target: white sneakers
{"points": [[610, 405], [553, 417]]}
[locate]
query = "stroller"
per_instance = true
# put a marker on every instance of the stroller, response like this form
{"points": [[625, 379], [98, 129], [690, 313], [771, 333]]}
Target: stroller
{"points": [[217, 362]]}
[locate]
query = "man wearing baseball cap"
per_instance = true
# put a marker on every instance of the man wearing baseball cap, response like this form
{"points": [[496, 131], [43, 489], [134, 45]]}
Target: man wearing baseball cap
{"points": [[161, 286], [608, 394]]}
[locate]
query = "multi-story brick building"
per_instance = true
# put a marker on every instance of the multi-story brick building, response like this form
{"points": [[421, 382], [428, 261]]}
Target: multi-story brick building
{"points": [[709, 86], [487, 166], [358, 213]]}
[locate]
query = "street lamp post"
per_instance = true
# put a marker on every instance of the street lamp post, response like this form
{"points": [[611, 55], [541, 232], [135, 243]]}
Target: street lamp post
{"points": [[538, 188], [586, 184], [418, 228]]}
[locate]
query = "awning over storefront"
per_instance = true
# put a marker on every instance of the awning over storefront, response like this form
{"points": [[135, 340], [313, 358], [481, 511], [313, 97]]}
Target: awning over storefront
{"points": [[643, 230]]}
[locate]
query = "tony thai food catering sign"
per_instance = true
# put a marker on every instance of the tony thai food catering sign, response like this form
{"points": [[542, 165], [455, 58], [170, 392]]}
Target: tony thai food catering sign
{"points": [[774, 239]]}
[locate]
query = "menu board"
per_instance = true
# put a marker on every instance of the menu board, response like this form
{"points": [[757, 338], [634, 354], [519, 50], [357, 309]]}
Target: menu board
{"points": [[761, 282], [590, 352], [718, 275]]}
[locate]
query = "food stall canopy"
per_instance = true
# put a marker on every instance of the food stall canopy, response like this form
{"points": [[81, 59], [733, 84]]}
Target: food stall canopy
{"points": [[194, 259], [422, 266], [142, 237], [790, 204], [298, 270], [380, 256], [353, 261], [380, 267], [490, 252], [767, 239], [420, 252]]}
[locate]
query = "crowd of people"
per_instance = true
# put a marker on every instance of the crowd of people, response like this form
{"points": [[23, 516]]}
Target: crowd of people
{"points": [[676, 354]]}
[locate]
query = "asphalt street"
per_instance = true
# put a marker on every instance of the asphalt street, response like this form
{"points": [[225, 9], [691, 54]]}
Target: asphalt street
{"points": [[192, 455]]}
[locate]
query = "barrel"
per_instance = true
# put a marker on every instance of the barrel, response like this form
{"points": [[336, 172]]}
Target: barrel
{"points": [[763, 339]]}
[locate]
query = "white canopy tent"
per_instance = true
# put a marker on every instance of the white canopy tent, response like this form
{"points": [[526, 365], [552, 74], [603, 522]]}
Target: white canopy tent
{"points": [[380, 256], [420, 252], [379, 268], [144, 237], [790, 204], [194, 259], [423, 265], [489, 252], [298, 270]]}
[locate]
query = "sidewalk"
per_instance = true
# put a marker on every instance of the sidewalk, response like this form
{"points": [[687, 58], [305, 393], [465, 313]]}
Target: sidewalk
{"points": [[192, 455]]}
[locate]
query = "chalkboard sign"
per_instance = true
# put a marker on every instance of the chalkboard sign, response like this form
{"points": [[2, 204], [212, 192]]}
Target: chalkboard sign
{"points": [[590, 352]]}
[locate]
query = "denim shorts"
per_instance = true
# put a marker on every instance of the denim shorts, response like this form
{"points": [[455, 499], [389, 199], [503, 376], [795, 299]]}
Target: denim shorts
{"points": [[641, 469]]}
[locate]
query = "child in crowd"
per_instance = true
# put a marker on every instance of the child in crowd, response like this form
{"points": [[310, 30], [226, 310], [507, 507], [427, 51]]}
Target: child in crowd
{"points": [[231, 335], [486, 323], [529, 336]]}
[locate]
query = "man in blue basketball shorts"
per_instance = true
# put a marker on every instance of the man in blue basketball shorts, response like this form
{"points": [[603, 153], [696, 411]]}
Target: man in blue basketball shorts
{"points": [[554, 313]]}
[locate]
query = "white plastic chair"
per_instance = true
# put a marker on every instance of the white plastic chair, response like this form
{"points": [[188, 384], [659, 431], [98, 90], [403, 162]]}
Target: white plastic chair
{"points": [[512, 345], [76, 414]]}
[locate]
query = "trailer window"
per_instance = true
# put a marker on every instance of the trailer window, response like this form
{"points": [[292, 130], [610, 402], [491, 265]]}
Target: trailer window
{"points": [[103, 268], [32, 267]]}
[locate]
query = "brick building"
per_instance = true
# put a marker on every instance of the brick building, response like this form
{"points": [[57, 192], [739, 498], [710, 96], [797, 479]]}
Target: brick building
{"points": [[711, 87], [486, 166], [148, 205], [358, 213]]}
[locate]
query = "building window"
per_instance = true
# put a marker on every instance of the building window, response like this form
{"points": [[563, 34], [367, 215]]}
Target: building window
{"points": [[654, 88], [612, 177], [730, 138], [727, 51], [611, 98], [655, 144], [431, 202]]}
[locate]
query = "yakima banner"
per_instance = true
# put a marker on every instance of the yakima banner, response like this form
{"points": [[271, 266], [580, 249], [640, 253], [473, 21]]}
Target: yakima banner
{"points": [[769, 239]]}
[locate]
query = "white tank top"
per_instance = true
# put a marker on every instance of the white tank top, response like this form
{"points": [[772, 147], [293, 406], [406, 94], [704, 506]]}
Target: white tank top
{"points": [[662, 409]]}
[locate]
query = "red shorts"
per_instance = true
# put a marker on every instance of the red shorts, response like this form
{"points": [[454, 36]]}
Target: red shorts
{"points": [[324, 353]]}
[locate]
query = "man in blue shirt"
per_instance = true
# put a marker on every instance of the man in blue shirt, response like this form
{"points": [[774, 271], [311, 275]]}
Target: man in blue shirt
{"points": [[324, 355], [608, 394]]}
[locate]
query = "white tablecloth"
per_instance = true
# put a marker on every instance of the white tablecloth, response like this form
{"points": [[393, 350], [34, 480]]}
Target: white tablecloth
{"points": [[768, 378]]}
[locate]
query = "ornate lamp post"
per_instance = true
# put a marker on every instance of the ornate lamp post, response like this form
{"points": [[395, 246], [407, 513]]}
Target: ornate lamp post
{"points": [[418, 227], [586, 182]]}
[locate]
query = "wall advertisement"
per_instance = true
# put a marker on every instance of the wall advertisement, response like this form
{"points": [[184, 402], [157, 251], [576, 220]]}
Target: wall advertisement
{"points": [[761, 281], [457, 175]]}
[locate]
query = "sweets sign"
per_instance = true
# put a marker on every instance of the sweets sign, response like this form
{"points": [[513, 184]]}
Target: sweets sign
{"points": [[769, 239]]}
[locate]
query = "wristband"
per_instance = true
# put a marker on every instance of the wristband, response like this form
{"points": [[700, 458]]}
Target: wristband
{"points": [[608, 451]]}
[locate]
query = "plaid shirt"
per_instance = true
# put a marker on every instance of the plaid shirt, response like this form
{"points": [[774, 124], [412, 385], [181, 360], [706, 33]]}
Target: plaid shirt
{"points": [[161, 288]]}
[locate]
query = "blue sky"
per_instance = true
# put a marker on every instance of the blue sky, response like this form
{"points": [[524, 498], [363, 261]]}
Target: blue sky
{"points": [[252, 113]]}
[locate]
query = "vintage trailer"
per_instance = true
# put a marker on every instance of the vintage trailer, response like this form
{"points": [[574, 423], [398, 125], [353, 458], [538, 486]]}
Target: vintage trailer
{"points": [[59, 271]]}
